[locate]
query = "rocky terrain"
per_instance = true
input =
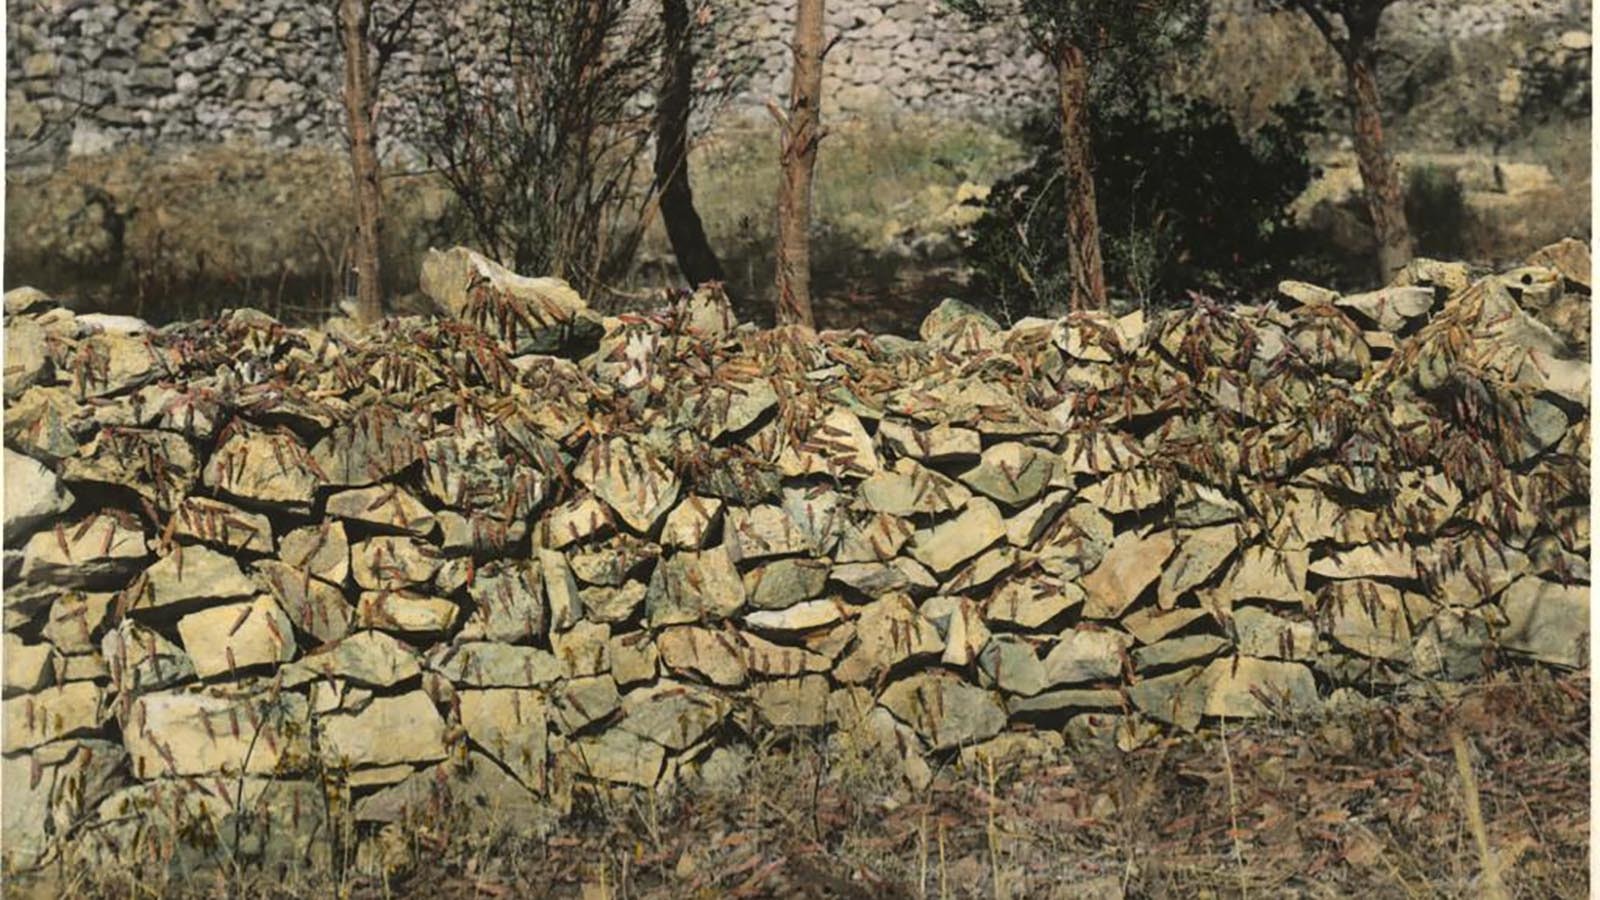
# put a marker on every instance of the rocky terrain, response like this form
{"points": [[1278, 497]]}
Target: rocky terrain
{"points": [[273, 591], [95, 75]]}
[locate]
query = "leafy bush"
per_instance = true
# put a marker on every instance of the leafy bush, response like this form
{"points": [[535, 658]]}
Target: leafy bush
{"points": [[1437, 211], [1186, 202]]}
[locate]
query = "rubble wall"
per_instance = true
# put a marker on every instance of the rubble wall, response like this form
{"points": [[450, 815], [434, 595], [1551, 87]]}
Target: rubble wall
{"points": [[521, 550], [86, 76]]}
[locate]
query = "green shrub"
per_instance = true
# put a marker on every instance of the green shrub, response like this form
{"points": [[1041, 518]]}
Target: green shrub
{"points": [[1186, 202], [1436, 211]]}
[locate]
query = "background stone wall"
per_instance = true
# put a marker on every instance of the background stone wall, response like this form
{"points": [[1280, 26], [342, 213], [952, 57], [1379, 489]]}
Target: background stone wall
{"points": [[255, 574], [86, 75]]}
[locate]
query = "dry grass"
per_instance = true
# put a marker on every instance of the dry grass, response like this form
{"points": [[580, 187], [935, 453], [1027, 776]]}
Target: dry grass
{"points": [[1364, 803]]}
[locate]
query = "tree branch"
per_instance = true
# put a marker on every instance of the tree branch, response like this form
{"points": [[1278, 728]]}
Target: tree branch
{"points": [[1320, 19]]}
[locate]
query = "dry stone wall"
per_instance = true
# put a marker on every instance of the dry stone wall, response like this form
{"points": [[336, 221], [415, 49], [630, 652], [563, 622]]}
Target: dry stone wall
{"points": [[261, 577], [88, 75]]}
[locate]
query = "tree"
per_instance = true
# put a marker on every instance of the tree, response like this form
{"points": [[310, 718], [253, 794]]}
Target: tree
{"points": [[1351, 28], [365, 54], [801, 133], [529, 111], [696, 260], [1079, 37]]}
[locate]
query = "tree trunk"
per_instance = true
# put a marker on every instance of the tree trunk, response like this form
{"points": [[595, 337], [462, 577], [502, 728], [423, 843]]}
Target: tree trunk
{"points": [[802, 132], [355, 22], [696, 260], [1083, 218], [1379, 176]]}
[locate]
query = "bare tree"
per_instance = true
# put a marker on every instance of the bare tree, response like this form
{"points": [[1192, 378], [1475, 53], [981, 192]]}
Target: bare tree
{"points": [[1077, 36], [360, 102], [801, 133], [367, 50], [1351, 28], [696, 260], [530, 111]]}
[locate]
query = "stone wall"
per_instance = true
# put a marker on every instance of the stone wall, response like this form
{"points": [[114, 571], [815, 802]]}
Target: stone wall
{"points": [[87, 75], [521, 550]]}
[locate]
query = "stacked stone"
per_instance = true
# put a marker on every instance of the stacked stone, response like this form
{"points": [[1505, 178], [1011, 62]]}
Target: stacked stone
{"points": [[90, 75], [268, 575]]}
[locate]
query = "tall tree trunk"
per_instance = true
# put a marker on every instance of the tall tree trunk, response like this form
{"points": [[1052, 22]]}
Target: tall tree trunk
{"points": [[696, 260], [1083, 218], [1379, 176], [802, 133], [355, 23]]}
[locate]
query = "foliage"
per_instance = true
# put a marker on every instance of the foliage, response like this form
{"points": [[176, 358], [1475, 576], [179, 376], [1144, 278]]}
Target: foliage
{"points": [[1185, 200], [541, 137]]}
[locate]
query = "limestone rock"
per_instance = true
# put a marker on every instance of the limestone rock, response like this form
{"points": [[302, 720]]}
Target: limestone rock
{"points": [[485, 664], [838, 447], [1178, 651], [223, 639], [690, 522], [542, 315], [27, 363], [578, 519], [185, 733], [75, 620], [74, 708], [1270, 636], [805, 616], [33, 496], [1200, 553], [945, 546], [193, 573], [1126, 491], [27, 666], [936, 444], [314, 607], [631, 480], [674, 714], [1132, 563], [388, 506], [140, 660], [889, 632], [1266, 573], [98, 551], [1083, 655], [1011, 473], [618, 756], [792, 702], [268, 467], [157, 466], [111, 364], [691, 587], [710, 654], [389, 730], [509, 724], [405, 612], [1012, 664], [579, 702], [875, 540], [909, 489], [1031, 603], [1390, 308], [785, 582], [583, 650], [944, 710], [1243, 687], [764, 531], [1547, 621], [224, 526], [368, 658], [1368, 561], [509, 597], [1368, 618], [389, 562], [322, 550]]}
